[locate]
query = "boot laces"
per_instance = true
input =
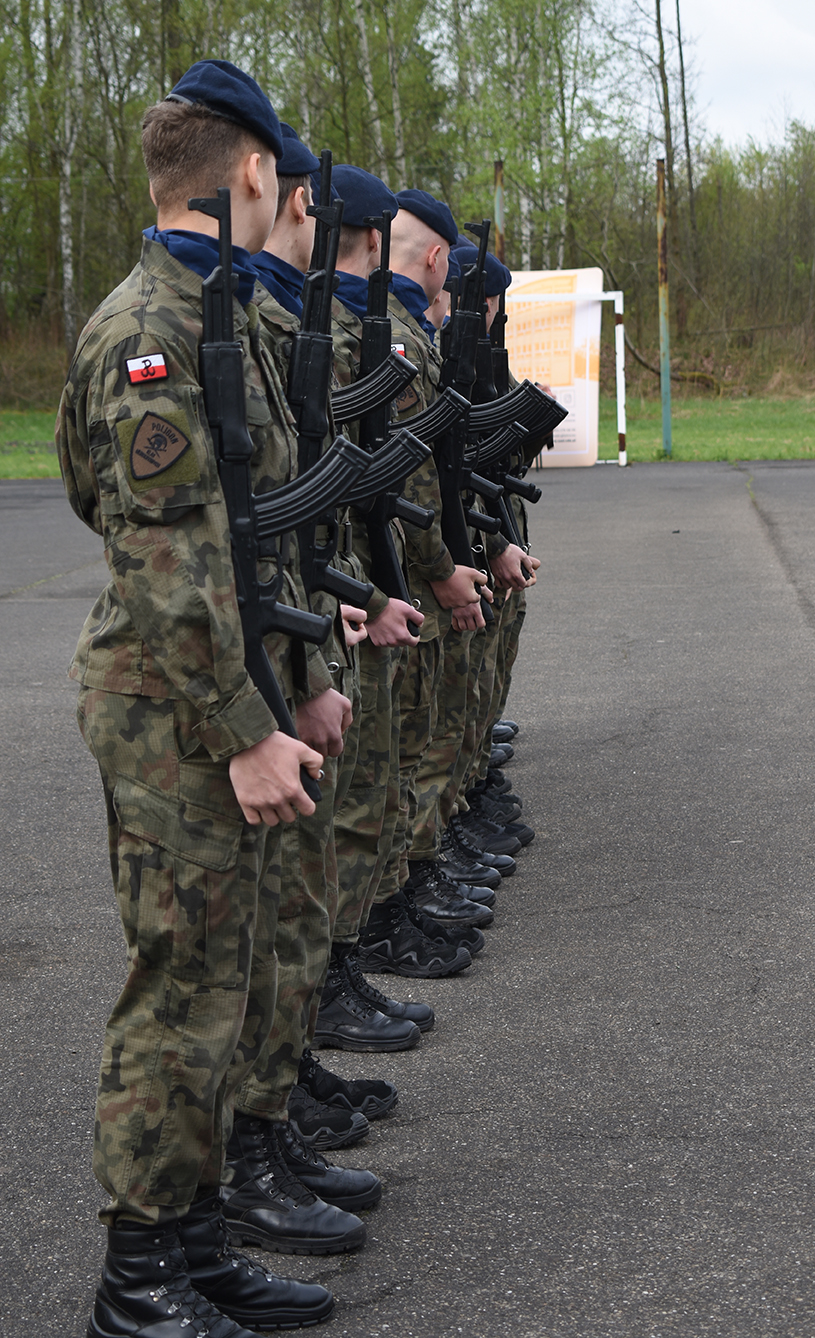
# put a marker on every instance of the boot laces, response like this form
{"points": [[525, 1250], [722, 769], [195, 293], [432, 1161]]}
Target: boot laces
{"points": [[345, 989], [277, 1171], [195, 1310], [362, 986]]}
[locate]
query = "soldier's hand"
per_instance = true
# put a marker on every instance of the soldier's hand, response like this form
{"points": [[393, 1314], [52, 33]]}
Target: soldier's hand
{"points": [[465, 586], [469, 618], [390, 627], [508, 568], [353, 622], [322, 721], [266, 779]]}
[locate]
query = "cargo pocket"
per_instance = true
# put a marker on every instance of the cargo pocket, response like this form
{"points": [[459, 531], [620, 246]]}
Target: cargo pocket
{"points": [[187, 903]]}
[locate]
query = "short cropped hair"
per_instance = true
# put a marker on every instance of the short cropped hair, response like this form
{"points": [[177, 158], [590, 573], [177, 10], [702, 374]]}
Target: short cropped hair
{"points": [[350, 237], [189, 150], [286, 186]]}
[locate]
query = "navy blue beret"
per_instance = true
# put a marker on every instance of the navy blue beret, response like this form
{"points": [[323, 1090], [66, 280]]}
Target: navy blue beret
{"points": [[453, 270], [363, 195], [431, 211], [316, 178], [498, 276], [228, 92], [296, 160]]}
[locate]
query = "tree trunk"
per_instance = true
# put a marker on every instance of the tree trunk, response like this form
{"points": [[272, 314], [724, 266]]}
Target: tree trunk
{"points": [[673, 212], [370, 91], [398, 125], [694, 234]]}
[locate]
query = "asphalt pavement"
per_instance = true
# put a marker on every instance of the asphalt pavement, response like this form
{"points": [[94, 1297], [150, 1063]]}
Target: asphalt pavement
{"points": [[610, 1132]]}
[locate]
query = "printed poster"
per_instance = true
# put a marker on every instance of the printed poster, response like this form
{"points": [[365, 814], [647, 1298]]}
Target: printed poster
{"points": [[558, 344]]}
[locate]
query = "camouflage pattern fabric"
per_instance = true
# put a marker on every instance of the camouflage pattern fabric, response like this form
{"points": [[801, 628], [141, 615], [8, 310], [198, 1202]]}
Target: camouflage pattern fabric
{"points": [[198, 1001], [166, 702], [365, 821], [440, 761]]}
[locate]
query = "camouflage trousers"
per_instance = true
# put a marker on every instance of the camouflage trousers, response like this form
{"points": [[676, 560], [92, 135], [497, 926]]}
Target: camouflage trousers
{"points": [[308, 909], [365, 822], [440, 762], [505, 653], [197, 889], [418, 705]]}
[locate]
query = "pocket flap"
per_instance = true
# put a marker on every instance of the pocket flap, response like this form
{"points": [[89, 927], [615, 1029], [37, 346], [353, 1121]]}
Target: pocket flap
{"points": [[184, 829]]}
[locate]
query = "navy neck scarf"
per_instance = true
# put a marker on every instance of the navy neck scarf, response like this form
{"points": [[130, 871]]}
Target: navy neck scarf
{"points": [[414, 299], [199, 253], [353, 292], [284, 282]]}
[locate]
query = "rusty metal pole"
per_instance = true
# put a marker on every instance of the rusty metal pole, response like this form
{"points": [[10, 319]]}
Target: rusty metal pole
{"points": [[498, 209], [664, 326]]}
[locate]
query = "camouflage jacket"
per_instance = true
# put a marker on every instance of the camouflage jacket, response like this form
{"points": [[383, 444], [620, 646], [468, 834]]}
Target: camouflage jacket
{"points": [[279, 327], [139, 468], [428, 557]]}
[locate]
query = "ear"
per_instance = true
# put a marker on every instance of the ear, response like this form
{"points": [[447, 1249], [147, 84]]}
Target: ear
{"points": [[374, 240], [298, 204], [433, 258], [250, 175], [153, 195]]}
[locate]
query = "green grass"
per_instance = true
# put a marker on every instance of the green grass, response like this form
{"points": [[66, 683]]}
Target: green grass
{"points": [[769, 428], [27, 445]]}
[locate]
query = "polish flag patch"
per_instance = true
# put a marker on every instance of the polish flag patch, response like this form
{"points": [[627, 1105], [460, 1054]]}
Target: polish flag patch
{"points": [[398, 348], [152, 367]]}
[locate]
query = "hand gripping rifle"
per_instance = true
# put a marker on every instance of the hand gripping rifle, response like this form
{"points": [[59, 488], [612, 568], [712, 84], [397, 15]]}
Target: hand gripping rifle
{"points": [[459, 373], [310, 365], [383, 505], [222, 380]]}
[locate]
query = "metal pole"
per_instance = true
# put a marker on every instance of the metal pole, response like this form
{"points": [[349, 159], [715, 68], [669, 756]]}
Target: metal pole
{"points": [[619, 348], [498, 209], [664, 327]]}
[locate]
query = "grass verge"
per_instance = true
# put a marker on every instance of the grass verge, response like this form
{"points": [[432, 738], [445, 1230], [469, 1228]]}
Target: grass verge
{"points": [[770, 428], [27, 448]]}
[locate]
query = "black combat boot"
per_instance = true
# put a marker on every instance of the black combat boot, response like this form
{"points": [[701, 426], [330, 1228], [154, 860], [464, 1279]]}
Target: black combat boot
{"points": [[463, 867], [496, 807], [146, 1290], [444, 900], [324, 1125], [392, 942], [420, 1014], [501, 733], [458, 936], [371, 1097], [500, 754], [348, 1020], [267, 1205], [465, 841], [490, 836], [239, 1287], [511, 724], [345, 1188]]}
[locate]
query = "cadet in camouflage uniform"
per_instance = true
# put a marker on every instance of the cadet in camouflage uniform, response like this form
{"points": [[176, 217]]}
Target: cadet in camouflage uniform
{"points": [[195, 772], [423, 233]]}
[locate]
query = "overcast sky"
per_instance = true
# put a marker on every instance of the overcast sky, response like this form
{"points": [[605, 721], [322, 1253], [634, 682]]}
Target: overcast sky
{"points": [[755, 62]]}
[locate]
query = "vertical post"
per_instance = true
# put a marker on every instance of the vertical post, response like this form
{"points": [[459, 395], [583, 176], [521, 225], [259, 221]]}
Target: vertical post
{"points": [[498, 209], [664, 328], [619, 349]]}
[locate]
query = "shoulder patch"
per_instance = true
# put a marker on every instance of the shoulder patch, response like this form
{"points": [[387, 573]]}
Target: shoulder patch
{"points": [[151, 367], [156, 446], [407, 400], [398, 348]]}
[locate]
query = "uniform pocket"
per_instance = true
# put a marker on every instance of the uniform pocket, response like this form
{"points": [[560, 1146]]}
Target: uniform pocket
{"points": [[191, 906]]}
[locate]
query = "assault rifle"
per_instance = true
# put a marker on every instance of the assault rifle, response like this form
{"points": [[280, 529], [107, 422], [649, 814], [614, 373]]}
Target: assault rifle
{"points": [[459, 373], [222, 381], [383, 505], [310, 365]]}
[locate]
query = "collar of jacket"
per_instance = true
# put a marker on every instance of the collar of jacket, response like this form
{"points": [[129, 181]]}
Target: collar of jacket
{"points": [[159, 264], [199, 252]]}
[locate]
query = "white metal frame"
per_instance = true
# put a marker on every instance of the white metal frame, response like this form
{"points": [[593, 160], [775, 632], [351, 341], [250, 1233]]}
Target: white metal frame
{"points": [[619, 349]]}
